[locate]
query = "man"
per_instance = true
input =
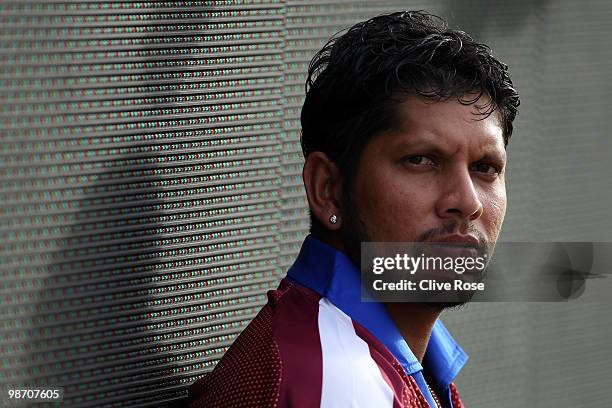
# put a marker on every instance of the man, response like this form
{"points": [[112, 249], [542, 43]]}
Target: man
{"points": [[404, 131]]}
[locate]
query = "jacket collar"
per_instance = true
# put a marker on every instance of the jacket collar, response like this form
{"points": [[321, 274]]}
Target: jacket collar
{"points": [[331, 274]]}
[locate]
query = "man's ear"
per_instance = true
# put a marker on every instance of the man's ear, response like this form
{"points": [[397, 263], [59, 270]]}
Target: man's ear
{"points": [[323, 182]]}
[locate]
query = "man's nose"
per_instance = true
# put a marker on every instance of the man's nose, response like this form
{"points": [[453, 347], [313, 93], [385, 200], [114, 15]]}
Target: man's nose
{"points": [[459, 197]]}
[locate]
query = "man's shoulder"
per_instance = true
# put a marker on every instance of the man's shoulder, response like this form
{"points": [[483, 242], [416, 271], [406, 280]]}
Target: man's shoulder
{"points": [[297, 340], [251, 371]]}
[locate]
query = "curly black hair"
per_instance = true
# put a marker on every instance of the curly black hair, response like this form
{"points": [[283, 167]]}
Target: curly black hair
{"points": [[355, 81]]}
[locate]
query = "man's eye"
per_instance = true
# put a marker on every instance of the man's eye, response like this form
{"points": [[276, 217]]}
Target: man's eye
{"points": [[485, 168], [418, 159]]}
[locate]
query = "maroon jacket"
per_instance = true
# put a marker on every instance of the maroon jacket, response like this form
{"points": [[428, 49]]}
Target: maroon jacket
{"points": [[302, 351]]}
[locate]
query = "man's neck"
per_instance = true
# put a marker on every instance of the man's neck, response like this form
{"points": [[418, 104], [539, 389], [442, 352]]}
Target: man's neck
{"points": [[415, 322]]}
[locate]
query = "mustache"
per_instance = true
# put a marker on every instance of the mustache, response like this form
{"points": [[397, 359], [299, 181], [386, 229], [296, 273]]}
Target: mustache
{"points": [[483, 247]]}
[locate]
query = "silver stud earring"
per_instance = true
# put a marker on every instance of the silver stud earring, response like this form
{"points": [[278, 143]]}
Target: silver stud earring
{"points": [[333, 219]]}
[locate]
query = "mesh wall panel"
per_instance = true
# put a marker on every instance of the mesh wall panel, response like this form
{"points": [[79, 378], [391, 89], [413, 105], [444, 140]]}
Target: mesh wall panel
{"points": [[150, 181], [140, 189]]}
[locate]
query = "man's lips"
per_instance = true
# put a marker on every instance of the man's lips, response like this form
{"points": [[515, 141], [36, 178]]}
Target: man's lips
{"points": [[467, 240], [456, 245]]}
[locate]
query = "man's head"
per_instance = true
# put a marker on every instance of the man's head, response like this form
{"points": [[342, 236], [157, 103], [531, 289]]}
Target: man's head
{"points": [[404, 130]]}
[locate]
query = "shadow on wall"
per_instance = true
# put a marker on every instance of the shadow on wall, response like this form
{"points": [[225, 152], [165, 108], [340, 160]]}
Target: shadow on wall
{"points": [[102, 325], [94, 334]]}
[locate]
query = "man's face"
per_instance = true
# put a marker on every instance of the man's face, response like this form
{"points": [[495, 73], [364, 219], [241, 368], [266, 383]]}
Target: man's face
{"points": [[438, 177]]}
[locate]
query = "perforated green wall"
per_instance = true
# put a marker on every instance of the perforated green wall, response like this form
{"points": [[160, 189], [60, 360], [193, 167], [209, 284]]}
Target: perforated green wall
{"points": [[150, 188]]}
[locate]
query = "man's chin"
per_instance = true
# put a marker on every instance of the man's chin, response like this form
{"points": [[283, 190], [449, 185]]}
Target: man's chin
{"points": [[439, 300]]}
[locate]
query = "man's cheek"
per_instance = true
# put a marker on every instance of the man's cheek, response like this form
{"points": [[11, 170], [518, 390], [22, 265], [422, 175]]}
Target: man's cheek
{"points": [[376, 197], [500, 204], [494, 217]]}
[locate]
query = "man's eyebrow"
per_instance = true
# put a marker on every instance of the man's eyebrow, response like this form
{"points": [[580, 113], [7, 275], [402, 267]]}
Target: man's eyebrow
{"points": [[411, 141], [430, 144], [490, 150], [494, 155]]}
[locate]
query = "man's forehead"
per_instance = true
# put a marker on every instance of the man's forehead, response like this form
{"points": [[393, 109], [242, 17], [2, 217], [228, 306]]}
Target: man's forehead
{"points": [[419, 120]]}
